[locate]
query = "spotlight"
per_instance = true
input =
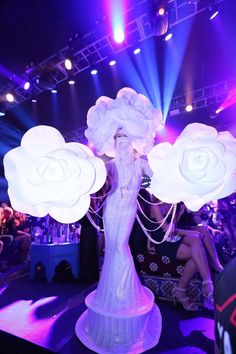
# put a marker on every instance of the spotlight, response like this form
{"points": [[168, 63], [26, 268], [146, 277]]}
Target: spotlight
{"points": [[53, 91], [137, 51], [26, 85], [214, 9], [68, 64], [160, 21], [71, 82], [112, 62], [46, 78], [34, 100], [119, 35], [94, 72], [9, 97], [161, 11], [168, 36], [214, 14], [189, 108], [2, 114]]}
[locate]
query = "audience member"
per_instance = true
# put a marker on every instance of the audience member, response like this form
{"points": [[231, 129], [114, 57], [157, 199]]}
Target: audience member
{"points": [[21, 239], [188, 222], [189, 249]]}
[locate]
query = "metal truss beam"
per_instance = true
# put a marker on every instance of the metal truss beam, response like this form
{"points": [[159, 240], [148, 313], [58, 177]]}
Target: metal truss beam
{"points": [[97, 46], [214, 94], [207, 96]]}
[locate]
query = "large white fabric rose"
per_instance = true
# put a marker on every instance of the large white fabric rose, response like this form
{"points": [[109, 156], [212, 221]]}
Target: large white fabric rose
{"points": [[46, 175], [199, 167], [131, 113]]}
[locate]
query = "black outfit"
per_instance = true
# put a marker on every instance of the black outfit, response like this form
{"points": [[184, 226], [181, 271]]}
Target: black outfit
{"points": [[89, 265], [9, 227], [225, 309], [8, 232], [18, 249], [187, 219], [138, 240]]}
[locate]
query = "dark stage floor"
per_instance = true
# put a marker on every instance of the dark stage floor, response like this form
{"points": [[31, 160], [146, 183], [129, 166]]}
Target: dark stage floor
{"points": [[45, 314]]}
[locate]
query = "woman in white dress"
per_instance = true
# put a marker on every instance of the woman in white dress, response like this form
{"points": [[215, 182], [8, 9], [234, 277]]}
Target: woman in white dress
{"points": [[122, 286]]}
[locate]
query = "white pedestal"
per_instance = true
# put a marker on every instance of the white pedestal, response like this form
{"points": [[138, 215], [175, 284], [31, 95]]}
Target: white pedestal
{"points": [[106, 333]]}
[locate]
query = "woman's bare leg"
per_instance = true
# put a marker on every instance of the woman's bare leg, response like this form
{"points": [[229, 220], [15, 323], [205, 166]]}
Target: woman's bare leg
{"points": [[192, 247], [197, 253], [190, 269], [208, 242]]}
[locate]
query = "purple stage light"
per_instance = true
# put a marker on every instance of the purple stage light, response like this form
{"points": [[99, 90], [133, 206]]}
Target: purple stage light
{"points": [[119, 35], [161, 11], [112, 62], [9, 97], [26, 85], [214, 14], [137, 51], [94, 72], [189, 108], [168, 37], [53, 91], [71, 82], [68, 64]]}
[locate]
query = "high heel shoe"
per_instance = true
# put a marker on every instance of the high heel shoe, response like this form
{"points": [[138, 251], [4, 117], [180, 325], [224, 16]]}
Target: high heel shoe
{"points": [[185, 300], [208, 294]]}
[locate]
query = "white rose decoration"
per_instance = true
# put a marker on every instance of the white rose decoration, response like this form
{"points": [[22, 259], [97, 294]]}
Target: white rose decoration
{"points": [[46, 175], [130, 112], [199, 167]]}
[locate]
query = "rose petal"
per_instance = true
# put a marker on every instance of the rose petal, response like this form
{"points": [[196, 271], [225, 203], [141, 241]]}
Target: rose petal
{"points": [[35, 210], [42, 134], [198, 130], [101, 174], [73, 214], [197, 168]]}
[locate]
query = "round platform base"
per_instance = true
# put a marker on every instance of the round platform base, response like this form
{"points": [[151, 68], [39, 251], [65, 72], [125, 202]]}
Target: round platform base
{"points": [[119, 335]]}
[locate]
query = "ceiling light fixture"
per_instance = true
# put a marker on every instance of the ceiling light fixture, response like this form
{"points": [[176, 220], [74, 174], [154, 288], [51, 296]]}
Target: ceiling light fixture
{"points": [[9, 97]]}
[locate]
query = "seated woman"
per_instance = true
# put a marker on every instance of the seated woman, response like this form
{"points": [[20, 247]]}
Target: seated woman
{"points": [[187, 224], [180, 248]]}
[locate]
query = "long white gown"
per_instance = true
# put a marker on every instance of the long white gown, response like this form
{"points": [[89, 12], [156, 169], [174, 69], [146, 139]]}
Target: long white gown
{"points": [[121, 315]]}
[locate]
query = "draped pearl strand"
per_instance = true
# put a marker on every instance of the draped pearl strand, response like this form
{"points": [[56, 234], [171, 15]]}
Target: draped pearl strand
{"points": [[168, 231]]}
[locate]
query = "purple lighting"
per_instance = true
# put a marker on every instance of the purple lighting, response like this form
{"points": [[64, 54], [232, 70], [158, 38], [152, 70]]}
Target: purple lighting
{"points": [[68, 64], [9, 97], [214, 14], [189, 108], [161, 11], [112, 62], [137, 51], [168, 37], [94, 72], [119, 35], [26, 85]]}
